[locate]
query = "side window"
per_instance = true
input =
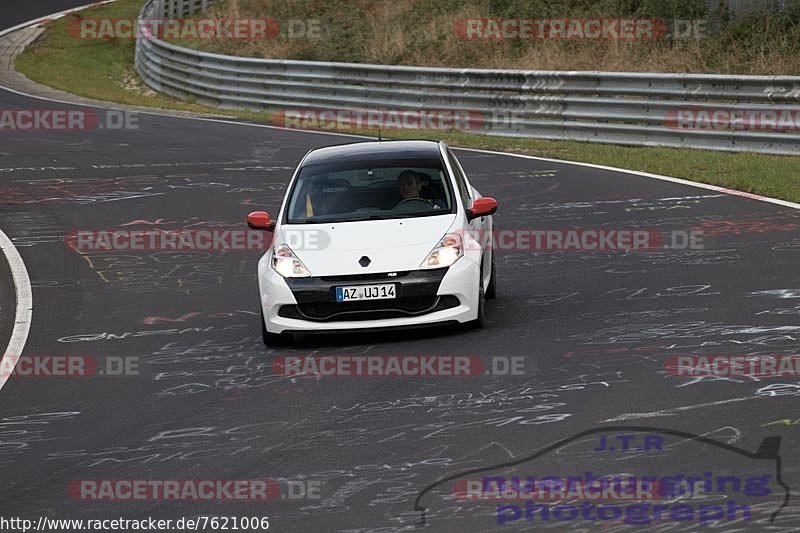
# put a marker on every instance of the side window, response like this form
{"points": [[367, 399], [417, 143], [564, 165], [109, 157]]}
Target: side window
{"points": [[461, 182]]}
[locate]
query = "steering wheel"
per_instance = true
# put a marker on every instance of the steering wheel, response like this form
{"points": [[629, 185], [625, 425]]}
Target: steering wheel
{"points": [[408, 201]]}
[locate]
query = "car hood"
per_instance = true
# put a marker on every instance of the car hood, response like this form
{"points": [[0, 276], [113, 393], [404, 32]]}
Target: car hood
{"points": [[394, 245]]}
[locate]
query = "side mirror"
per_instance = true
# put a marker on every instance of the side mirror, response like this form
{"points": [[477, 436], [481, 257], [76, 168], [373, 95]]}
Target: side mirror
{"points": [[260, 220], [482, 207]]}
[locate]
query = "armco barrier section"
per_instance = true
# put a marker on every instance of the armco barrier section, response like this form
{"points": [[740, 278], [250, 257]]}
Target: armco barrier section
{"points": [[608, 107]]}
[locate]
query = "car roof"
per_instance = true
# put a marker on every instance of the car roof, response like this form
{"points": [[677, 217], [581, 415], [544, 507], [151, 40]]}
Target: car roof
{"points": [[373, 150]]}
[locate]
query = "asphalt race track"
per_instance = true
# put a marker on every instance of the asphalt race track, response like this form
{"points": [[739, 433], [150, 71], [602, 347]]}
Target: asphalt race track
{"points": [[16, 11], [594, 330]]}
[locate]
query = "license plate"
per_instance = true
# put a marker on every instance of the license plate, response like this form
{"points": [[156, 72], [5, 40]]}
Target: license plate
{"points": [[365, 292]]}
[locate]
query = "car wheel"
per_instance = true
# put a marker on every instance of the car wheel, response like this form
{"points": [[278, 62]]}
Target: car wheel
{"points": [[480, 321], [491, 289], [273, 339]]}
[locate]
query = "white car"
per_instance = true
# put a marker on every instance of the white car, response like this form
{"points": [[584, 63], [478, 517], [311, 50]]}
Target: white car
{"points": [[376, 235]]}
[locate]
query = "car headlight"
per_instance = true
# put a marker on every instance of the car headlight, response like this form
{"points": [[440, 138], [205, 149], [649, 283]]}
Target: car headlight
{"points": [[285, 263], [447, 252]]}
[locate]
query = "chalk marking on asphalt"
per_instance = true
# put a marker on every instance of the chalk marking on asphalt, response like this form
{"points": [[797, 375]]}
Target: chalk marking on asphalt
{"points": [[675, 410], [24, 309]]}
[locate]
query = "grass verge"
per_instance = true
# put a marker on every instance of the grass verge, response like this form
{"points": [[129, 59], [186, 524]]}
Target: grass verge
{"points": [[104, 70], [99, 69], [759, 39]]}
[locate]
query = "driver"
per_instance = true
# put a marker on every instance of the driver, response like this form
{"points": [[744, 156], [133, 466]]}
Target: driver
{"points": [[410, 184]]}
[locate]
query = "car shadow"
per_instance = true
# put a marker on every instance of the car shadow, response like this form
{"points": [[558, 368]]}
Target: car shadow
{"points": [[319, 340]]}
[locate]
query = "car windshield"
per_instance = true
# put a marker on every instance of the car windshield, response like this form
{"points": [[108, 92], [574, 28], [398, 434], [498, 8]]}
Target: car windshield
{"points": [[346, 191]]}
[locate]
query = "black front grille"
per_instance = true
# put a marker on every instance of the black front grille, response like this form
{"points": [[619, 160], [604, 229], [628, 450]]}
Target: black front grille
{"points": [[382, 276], [368, 310]]}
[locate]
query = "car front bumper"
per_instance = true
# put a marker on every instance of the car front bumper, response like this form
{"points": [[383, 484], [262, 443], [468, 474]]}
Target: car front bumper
{"points": [[424, 297]]}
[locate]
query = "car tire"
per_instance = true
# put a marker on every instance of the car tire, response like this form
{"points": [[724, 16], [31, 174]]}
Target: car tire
{"points": [[491, 289], [480, 321], [273, 339]]}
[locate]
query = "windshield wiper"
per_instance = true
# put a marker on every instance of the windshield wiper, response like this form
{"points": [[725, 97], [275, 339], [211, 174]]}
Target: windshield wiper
{"points": [[333, 220], [366, 217], [320, 220]]}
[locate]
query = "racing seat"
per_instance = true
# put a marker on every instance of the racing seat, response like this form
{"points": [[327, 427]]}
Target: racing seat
{"points": [[432, 190], [332, 197]]}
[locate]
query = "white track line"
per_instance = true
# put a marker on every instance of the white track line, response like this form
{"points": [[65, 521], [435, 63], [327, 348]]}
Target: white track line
{"points": [[24, 311]]}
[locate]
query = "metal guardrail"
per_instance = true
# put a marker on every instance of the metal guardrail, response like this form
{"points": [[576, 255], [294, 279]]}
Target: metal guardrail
{"points": [[608, 107]]}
